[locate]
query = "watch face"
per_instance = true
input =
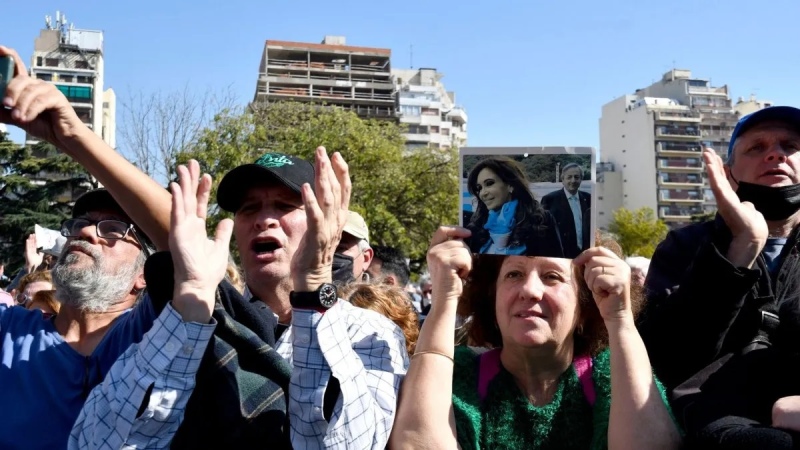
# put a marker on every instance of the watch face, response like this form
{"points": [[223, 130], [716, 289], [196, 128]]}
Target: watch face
{"points": [[327, 295]]}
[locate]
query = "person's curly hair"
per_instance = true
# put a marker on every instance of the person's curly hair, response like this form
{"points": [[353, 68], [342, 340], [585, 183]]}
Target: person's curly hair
{"points": [[390, 301], [478, 301]]}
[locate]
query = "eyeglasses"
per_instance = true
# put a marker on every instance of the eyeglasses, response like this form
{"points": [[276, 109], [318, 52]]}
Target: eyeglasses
{"points": [[106, 229], [22, 299]]}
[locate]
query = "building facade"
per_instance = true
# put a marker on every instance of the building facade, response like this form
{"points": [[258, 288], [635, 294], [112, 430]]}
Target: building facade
{"points": [[653, 140], [333, 73], [428, 111], [72, 59]]}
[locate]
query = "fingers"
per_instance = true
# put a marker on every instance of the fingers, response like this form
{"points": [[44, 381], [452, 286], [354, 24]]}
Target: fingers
{"points": [[593, 252], [19, 66], [223, 234], [342, 171], [177, 204], [446, 233], [723, 192], [203, 195]]}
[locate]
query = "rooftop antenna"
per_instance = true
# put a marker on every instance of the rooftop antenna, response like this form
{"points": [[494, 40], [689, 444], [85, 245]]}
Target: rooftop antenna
{"points": [[411, 55]]}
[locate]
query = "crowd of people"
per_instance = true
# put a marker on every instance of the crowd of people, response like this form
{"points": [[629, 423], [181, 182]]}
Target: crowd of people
{"points": [[143, 332]]}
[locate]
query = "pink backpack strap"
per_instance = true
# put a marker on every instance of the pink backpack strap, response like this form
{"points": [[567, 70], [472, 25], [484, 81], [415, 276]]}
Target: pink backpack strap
{"points": [[488, 368], [583, 367]]}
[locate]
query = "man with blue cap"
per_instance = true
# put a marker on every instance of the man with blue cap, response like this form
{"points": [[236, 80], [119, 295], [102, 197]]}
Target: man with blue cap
{"points": [[715, 289]]}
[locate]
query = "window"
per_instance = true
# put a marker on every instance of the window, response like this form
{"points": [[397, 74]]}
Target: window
{"points": [[51, 62], [81, 64], [39, 61], [407, 110], [430, 112], [45, 76], [76, 93]]}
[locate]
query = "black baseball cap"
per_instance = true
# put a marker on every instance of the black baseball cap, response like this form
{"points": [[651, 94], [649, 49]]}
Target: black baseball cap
{"points": [[288, 170]]}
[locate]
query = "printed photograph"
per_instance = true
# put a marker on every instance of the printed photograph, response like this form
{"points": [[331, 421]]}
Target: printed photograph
{"points": [[531, 201]]}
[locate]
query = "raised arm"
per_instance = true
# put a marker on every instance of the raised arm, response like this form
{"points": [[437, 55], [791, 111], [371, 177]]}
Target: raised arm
{"points": [[39, 108], [142, 399], [639, 417], [425, 418]]}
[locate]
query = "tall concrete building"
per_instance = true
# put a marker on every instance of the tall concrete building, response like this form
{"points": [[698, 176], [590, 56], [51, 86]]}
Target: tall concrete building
{"points": [[653, 141], [357, 78], [72, 59], [744, 107], [428, 110]]}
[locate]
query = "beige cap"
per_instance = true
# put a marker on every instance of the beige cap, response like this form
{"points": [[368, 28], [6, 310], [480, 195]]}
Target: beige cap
{"points": [[356, 226]]}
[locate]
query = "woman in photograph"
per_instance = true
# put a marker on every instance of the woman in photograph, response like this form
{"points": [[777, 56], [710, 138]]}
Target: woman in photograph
{"points": [[507, 219]]}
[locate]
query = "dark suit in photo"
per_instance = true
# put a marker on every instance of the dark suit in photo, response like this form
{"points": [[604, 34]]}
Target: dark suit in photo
{"points": [[559, 206]]}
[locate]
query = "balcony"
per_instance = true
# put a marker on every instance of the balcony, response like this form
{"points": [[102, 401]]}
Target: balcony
{"points": [[457, 114], [686, 134], [677, 116], [417, 137], [677, 213], [684, 149], [707, 90], [680, 164], [681, 196], [667, 179]]}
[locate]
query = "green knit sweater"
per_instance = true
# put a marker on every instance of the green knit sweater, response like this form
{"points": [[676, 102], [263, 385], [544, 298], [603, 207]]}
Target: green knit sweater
{"points": [[506, 419]]}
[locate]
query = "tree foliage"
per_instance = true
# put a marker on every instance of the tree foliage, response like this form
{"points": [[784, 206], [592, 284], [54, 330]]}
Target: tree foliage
{"points": [[37, 186], [638, 232], [403, 195]]}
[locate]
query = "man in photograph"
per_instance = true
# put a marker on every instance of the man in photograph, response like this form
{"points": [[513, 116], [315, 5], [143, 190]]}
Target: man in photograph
{"points": [[572, 211]]}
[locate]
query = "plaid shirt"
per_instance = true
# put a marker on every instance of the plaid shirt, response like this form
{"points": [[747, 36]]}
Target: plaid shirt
{"points": [[166, 361], [366, 353]]}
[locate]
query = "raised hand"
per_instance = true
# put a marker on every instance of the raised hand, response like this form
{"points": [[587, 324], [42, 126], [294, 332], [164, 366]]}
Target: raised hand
{"points": [[609, 279], [747, 225], [449, 263], [326, 215], [38, 107], [199, 262], [33, 258]]}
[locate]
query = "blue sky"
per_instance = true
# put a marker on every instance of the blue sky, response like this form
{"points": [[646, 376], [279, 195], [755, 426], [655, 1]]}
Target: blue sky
{"points": [[528, 72]]}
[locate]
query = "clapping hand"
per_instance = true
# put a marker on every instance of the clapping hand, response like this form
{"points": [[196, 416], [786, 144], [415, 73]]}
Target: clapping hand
{"points": [[199, 262], [747, 225], [326, 214]]}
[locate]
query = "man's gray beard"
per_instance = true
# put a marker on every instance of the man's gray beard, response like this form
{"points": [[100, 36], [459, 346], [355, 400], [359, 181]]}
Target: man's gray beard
{"points": [[92, 289]]}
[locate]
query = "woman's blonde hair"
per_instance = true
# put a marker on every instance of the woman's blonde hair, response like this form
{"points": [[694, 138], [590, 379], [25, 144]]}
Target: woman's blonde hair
{"points": [[390, 301]]}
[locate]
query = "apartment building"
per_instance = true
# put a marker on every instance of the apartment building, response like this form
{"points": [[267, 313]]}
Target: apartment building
{"points": [[653, 141], [428, 110], [356, 78], [72, 59]]}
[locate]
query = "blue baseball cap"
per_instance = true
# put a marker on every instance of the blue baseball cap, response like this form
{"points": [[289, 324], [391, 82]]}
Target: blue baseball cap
{"points": [[782, 113]]}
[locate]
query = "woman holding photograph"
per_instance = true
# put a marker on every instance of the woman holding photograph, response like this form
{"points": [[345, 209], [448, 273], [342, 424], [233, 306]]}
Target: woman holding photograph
{"points": [[507, 219], [567, 369]]}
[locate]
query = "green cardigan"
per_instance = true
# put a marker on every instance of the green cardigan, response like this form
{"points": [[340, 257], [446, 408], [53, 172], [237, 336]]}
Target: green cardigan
{"points": [[507, 420]]}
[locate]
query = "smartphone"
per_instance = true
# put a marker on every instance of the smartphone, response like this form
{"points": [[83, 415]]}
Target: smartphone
{"points": [[6, 74]]}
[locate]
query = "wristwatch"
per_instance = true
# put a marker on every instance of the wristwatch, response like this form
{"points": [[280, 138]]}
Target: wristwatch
{"points": [[321, 299]]}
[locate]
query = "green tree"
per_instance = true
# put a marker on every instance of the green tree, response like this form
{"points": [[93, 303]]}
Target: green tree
{"points": [[37, 186], [403, 195], [638, 232]]}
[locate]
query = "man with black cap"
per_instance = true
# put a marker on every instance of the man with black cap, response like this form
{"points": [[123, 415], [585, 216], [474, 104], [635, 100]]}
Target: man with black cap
{"points": [[49, 366], [714, 289]]}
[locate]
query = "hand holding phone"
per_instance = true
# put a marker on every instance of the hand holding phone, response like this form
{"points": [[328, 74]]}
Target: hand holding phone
{"points": [[6, 74]]}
